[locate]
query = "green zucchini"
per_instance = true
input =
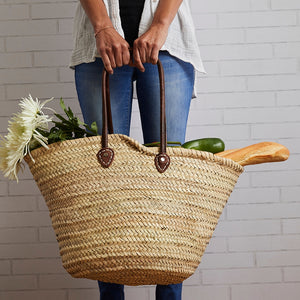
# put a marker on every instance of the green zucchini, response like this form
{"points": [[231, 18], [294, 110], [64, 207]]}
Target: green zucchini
{"points": [[213, 145]]}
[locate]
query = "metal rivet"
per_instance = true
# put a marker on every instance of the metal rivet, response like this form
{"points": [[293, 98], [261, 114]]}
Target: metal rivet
{"points": [[105, 154], [162, 159]]}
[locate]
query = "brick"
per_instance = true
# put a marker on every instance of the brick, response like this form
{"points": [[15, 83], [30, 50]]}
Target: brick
{"points": [[2, 91], [39, 43], [287, 50], [28, 75], [4, 268], [37, 266], [234, 100], [212, 69], [287, 165], [265, 291], [204, 21], [59, 281], [282, 178], [19, 219], [14, 12], [264, 243], [292, 144], [285, 4], [25, 187], [27, 27], [257, 195], [66, 74], [257, 67], [220, 36], [205, 117], [17, 203], [291, 226], [257, 19], [8, 283], [34, 295], [65, 26], [241, 276], [77, 294], [56, 90], [3, 190], [3, 127], [275, 131], [51, 58], [221, 85], [247, 228], [262, 115], [8, 108], [269, 82], [273, 34], [225, 132], [226, 260], [219, 6], [243, 181], [216, 244], [195, 279], [291, 274], [53, 10], [18, 235], [47, 234], [205, 292], [286, 98], [2, 44], [236, 52], [42, 206], [260, 4], [278, 258], [290, 194], [42, 250]]}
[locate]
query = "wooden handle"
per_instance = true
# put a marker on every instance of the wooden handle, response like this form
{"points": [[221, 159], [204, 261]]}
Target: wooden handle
{"points": [[257, 153]]}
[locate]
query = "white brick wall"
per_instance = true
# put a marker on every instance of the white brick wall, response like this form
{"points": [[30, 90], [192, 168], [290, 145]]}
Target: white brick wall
{"points": [[251, 50]]}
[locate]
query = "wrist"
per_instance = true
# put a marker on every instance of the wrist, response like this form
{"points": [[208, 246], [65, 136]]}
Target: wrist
{"points": [[102, 29], [102, 25], [160, 24]]}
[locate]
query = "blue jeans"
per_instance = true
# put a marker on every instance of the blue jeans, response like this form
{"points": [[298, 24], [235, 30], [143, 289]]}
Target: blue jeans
{"points": [[179, 82]]}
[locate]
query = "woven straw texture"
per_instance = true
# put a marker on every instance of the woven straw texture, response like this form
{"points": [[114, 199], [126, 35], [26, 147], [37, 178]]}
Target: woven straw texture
{"points": [[128, 223]]}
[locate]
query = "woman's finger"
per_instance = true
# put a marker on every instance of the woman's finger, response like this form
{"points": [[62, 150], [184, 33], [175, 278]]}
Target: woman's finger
{"points": [[126, 56], [118, 55], [153, 58], [137, 59], [143, 54], [106, 63], [111, 57]]}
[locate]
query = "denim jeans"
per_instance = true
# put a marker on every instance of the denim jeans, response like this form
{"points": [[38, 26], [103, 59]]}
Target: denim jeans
{"points": [[179, 82]]}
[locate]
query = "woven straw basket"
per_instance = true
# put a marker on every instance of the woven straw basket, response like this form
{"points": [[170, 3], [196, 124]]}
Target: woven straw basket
{"points": [[128, 223]]}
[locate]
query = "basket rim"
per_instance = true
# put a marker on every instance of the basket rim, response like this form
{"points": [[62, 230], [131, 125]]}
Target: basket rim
{"points": [[151, 151]]}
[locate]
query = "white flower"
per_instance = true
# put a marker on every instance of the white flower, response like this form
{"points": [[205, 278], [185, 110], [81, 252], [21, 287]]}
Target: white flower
{"points": [[23, 135]]}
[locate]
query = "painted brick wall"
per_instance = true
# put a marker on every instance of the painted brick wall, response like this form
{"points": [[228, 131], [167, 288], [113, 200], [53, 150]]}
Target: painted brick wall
{"points": [[251, 50]]}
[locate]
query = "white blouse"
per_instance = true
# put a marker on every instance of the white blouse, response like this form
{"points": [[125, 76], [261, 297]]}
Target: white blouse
{"points": [[181, 41]]}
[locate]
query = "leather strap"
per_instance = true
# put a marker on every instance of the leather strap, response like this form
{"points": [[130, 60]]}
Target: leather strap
{"points": [[106, 154]]}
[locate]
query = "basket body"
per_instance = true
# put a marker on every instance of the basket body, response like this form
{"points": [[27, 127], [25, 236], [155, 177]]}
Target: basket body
{"points": [[128, 223]]}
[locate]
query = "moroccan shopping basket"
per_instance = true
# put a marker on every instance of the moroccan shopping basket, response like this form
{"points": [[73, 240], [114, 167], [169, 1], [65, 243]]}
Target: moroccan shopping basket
{"points": [[129, 214]]}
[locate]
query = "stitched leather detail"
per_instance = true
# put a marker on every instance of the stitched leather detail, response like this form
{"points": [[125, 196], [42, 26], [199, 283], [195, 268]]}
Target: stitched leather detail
{"points": [[162, 162], [105, 157]]}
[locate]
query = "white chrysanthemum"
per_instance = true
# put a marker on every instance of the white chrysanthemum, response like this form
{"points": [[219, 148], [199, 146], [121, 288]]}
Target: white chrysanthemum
{"points": [[22, 135]]}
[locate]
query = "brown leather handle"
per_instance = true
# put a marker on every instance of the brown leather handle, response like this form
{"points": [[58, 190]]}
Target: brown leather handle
{"points": [[106, 154]]}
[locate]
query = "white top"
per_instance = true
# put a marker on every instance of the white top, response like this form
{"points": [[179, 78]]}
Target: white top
{"points": [[181, 41]]}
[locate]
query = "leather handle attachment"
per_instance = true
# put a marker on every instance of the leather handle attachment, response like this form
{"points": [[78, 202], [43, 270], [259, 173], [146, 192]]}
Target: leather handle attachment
{"points": [[106, 154]]}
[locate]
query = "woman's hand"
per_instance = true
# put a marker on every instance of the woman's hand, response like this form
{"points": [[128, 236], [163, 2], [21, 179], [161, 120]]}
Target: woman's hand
{"points": [[113, 49], [147, 46]]}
